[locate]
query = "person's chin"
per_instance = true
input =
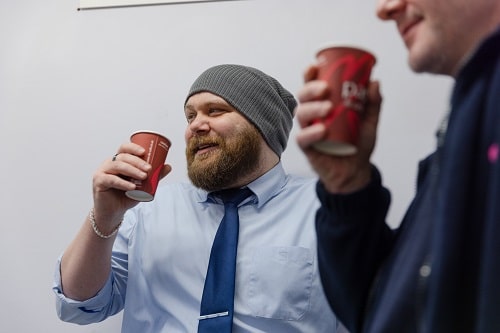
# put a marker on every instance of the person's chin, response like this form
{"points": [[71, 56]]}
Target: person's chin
{"points": [[418, 58], [415, 65], [427, 59]]}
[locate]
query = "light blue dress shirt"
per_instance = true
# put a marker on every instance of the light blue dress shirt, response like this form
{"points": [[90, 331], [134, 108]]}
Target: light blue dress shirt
{"points": [[161, 254]]}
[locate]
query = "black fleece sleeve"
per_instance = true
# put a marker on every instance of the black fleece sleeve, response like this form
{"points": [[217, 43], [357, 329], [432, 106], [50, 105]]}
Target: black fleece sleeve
{"points": [[353, 240]]}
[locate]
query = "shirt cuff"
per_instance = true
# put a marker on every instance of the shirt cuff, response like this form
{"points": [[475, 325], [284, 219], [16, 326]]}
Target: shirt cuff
{"points": [[357, 204], [66, 305]]}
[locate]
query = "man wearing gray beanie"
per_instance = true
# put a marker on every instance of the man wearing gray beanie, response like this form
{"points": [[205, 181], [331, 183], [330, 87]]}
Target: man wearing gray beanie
{"points": [[234, 250]]}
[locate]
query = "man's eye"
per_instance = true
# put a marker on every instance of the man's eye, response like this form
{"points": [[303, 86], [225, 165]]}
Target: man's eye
{"points": [[215, 111], [190, 117]]}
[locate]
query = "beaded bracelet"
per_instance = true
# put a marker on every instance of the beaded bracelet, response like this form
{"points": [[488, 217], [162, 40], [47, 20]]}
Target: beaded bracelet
{"points": [[96, 229]]}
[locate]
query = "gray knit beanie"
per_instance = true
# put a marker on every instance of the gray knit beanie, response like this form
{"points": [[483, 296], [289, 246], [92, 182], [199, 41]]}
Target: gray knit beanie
{"points": [[256, 95]]}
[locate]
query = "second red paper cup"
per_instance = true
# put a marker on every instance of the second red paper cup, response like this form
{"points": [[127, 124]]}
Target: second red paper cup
{"points": [[157, 147], [347, 71]]}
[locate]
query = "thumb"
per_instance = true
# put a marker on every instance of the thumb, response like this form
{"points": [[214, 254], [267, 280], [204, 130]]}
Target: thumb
{"points": [[374, 101], [165, 171]]}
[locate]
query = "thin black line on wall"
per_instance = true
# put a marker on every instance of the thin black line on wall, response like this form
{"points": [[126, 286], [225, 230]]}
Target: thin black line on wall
{"points": [[145, 3]]}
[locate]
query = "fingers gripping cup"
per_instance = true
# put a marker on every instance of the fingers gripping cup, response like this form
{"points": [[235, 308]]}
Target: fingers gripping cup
{"points": [[347, 71], [157, 147]]}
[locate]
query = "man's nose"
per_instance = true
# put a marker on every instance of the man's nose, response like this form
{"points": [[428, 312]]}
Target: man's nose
{"points": [[199, 124], [386, 9]]}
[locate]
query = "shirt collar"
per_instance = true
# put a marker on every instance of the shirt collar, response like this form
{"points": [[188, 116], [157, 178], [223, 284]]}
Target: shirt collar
{"points": [[265, 187], [268, 185]]}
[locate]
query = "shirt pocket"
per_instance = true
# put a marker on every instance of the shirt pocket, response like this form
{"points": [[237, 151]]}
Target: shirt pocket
{"points": [[278, 282]]}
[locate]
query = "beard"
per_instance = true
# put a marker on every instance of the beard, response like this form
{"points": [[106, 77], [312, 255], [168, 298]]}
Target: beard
{"points": [[234, 157]]}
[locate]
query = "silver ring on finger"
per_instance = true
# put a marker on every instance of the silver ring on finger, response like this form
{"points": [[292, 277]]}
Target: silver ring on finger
{"points": [[115, 156]]}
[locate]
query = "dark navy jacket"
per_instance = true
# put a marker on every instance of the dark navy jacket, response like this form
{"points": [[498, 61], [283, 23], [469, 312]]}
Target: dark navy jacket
{"points": [[440, 270]]}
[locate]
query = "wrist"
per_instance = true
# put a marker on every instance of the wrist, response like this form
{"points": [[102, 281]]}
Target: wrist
{"points": [[102, 233], [353, 183]]}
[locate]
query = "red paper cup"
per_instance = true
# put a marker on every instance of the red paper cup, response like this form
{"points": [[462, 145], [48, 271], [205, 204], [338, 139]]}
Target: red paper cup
{"points": [[157, 147], [347, 71]]}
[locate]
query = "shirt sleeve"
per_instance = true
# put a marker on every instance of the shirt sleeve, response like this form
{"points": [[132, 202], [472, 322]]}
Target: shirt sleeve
{"points": [[88, 311], [111, 298], [353, 240]]}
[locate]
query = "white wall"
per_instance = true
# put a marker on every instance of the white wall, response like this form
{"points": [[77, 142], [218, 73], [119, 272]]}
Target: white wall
{"points": [[74, 84]]}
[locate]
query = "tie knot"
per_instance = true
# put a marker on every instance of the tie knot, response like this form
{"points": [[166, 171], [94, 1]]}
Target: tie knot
{"points": [[234, 195]]}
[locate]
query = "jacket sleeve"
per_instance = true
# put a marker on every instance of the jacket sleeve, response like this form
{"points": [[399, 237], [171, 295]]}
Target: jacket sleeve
{"points": [[353, 240]]}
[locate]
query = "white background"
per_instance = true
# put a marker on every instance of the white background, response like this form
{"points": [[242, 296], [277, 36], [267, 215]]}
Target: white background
{"points": [[75, 84]]}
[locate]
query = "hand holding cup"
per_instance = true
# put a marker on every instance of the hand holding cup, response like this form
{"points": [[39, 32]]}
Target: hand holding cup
{"points": [[156, 146]]}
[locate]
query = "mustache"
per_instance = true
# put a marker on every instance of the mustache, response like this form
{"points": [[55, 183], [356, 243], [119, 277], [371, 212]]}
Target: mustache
{"points": [[196, 142]]}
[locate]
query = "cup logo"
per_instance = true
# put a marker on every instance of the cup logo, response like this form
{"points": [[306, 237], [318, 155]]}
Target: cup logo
{"points": [[353, 95], [354, 73]]}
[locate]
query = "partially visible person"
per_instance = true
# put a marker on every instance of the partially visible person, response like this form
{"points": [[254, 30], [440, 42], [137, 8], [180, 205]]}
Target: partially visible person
{"points": [[154, 268], [439, 271]]}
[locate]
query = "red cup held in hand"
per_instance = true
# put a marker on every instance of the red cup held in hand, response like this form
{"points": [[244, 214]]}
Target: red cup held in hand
{"points": [[157, 147], [347, 71]]}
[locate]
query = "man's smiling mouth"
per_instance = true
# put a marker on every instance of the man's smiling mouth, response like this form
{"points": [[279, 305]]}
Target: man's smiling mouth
{"points": [[205, 148]]}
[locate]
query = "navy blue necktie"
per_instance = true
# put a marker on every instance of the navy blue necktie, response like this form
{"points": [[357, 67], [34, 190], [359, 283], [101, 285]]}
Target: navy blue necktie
{"points": [[217, 303]]}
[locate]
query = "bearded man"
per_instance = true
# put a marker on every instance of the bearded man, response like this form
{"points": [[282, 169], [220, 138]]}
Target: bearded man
{"points": [[158, 267]]}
